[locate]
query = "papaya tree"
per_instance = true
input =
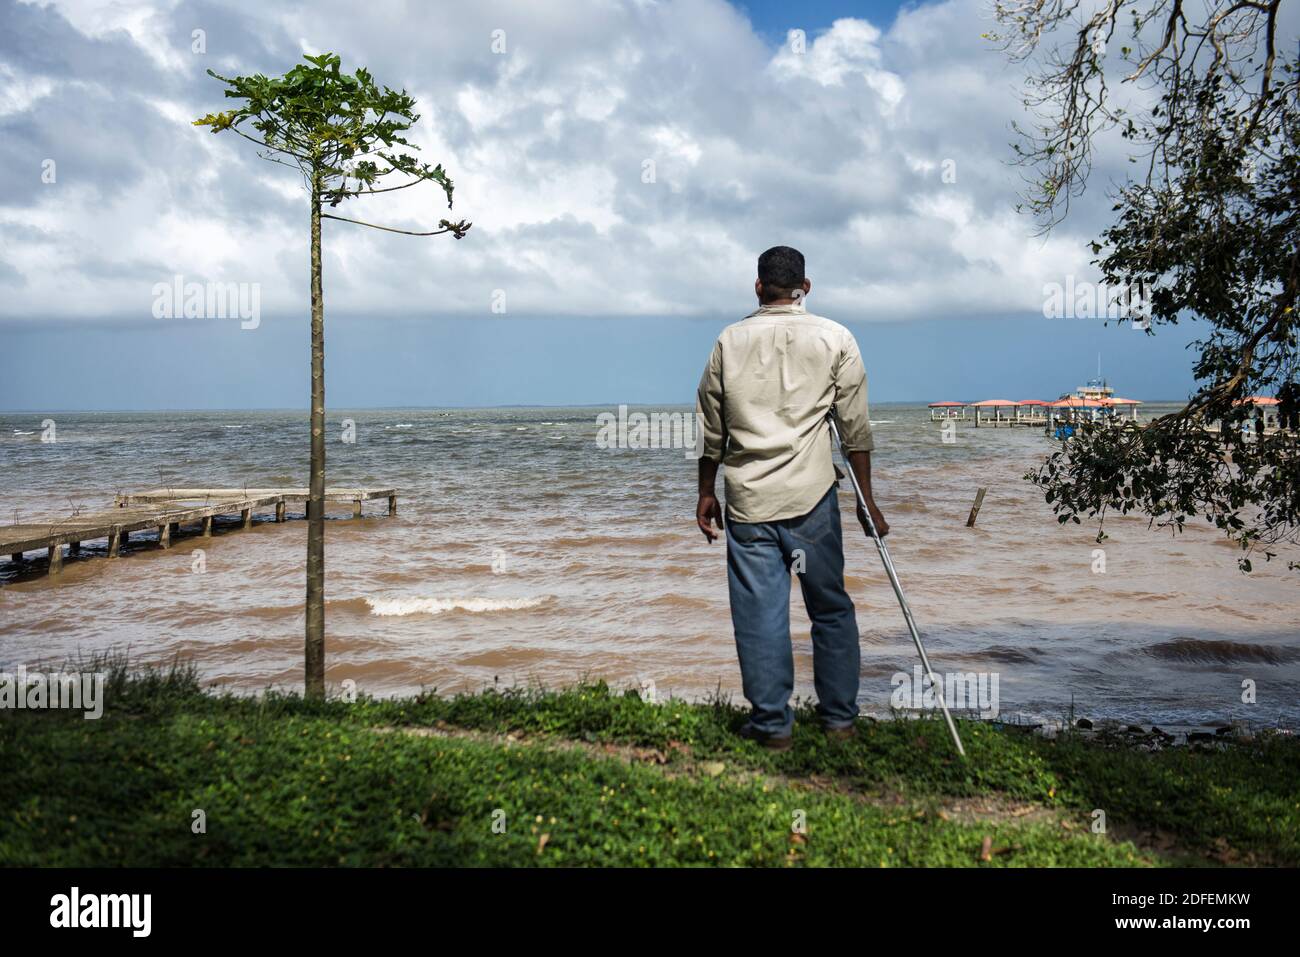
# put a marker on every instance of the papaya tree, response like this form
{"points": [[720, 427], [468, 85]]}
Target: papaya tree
{"points": [[345, 135]]}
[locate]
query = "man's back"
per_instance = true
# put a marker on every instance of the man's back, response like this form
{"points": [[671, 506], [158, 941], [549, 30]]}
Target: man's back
{"points": [[762, 405], [763, 399]]}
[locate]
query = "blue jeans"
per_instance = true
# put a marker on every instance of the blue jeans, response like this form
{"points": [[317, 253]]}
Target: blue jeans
{"points": [[760, 557]]}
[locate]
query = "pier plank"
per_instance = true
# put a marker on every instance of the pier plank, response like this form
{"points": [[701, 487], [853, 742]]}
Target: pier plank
{"points": [[333, 495], [164, 510]]}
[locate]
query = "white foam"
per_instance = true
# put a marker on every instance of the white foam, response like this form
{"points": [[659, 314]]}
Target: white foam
{"points": [[389, 607]]}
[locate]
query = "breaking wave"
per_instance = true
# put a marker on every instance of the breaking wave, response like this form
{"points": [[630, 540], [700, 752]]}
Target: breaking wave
{"points": [[389, 607]]}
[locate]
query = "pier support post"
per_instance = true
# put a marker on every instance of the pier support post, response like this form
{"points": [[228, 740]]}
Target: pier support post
{"points": [[114, 541], [16, 557], [975, 509], [279, 511], [56, 559], [247, 517], [165, 535], [392, 505], [356, 509], [207, 527], [74, 548]]}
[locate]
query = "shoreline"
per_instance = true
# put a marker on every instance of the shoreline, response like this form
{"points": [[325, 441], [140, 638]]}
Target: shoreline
{"points": [[1109, 731]]}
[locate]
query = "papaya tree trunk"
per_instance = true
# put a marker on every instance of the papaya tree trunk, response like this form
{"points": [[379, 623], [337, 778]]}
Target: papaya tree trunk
{"points": [[315, 669]]}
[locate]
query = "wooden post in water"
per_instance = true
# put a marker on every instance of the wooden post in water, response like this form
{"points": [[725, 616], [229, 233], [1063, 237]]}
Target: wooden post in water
{"points": [[56, 559], [16, 557], [279, 511], [207, 527], [114, 541], [392, 505], [975, 509], [74, 548], [356, 509], [247, 517], [165, 535]]}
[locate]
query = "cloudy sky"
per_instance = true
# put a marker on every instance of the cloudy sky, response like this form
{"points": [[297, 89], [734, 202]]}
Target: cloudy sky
{"points": [[623, 164]]}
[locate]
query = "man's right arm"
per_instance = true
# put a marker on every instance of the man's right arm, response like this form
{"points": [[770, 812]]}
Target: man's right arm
{"points": [[853, 420], [860, 462]]}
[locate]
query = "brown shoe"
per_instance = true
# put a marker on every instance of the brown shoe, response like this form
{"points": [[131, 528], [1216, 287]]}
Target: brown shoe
{"points": [[846, 733], [773, 742]]}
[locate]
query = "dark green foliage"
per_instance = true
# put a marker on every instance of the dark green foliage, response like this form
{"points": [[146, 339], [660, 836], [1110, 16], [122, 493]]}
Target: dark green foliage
{"points": [[1209, 224]]}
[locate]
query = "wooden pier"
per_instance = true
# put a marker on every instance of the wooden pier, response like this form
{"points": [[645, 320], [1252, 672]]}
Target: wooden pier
{"points": [[165, 510]]}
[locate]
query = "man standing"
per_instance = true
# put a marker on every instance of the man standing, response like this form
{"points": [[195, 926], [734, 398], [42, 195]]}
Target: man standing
{"points": [[762, 405]]}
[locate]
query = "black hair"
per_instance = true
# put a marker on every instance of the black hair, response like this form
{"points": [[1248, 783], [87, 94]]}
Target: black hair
{"points": [[780, 270]]}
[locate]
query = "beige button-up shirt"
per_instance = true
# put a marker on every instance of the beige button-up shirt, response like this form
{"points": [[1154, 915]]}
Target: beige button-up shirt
{"points": [[762, 407]]}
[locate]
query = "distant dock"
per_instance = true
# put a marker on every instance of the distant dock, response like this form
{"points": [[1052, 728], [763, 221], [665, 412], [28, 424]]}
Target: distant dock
{"points": [[1094, 402], [165, 510], [993, 412]]}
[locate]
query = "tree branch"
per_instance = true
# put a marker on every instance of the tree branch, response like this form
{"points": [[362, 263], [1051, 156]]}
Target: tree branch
{"points": [[458, 229]]}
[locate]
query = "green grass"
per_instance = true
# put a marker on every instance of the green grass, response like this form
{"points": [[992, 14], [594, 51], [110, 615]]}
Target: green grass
{"points": [[589, 776]]}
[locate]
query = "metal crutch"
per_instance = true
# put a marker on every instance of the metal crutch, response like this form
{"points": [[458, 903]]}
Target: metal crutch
{"points": [[898, 589]]}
